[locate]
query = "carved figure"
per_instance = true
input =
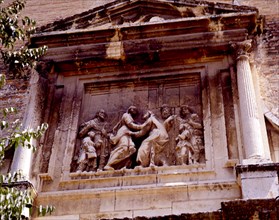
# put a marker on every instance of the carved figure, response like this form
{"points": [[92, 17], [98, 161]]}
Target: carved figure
{"points": [[124, 145], [151, 150], [169, 121], [154, 143], [167, 117], [94, 135], [197, 138], [87, 158], [189, 140]]}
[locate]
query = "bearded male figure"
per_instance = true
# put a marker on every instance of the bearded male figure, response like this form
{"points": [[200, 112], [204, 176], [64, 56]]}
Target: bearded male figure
{"points": [[97, 126]]}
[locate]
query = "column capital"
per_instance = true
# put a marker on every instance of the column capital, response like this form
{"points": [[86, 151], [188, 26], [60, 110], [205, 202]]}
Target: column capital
{"points": [[241, 49]]}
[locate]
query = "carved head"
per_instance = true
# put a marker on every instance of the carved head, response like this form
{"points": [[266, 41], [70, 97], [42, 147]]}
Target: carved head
{"points": [[132, 110], [165, 111], [91, 134], [101, 114], [185, 110]]}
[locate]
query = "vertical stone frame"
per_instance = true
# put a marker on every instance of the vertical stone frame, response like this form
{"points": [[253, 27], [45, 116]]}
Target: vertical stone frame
{"points": [[72, 133], [208, 142], [62, 137], [52, 116], [233, 76]]}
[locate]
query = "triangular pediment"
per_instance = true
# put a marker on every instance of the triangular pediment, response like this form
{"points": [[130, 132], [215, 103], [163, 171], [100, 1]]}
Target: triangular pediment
{"points": [[133, 12], [140, 30]]}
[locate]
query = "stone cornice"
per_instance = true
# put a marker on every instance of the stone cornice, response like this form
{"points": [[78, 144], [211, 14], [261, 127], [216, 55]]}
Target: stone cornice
{"points": [[257, 167], [21, 185], [183, 38], [120, 9]]}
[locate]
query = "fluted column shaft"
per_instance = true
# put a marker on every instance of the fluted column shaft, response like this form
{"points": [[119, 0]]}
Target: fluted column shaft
{"points": [[251, 128]]}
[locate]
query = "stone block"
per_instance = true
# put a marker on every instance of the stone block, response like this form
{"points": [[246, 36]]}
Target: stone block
{"points": [[63, 217], [258, 180], [259, 187], [151, 198], [77, 202], [214, 191], [139, 180], [196, 206], [191, 175], [107, 215], [152, 212]]}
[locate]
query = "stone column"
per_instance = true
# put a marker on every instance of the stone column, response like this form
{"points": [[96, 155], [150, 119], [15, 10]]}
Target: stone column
{"points": [[250, 122], [257, 176], [22, 159]]}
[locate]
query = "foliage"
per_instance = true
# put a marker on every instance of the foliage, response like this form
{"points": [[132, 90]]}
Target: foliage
{"points": [[15, 136], [16, 31], [11, 194]]}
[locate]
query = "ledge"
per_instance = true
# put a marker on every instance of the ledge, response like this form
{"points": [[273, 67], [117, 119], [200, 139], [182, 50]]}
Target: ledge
{"points": [[22, 185], [257, 167], [140, 171], [126, 178]]}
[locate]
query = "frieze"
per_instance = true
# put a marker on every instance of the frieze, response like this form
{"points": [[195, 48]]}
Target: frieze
{"points": [[166, 139], [140, 123]]}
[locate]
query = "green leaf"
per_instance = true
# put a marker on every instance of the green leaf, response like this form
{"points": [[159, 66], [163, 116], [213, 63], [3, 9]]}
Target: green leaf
{"points": [[2, 80], [14, 31], [4, 124]]}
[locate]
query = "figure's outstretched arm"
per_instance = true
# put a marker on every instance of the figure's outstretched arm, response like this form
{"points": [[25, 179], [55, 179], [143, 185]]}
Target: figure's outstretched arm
{"points": [[146, 127]]}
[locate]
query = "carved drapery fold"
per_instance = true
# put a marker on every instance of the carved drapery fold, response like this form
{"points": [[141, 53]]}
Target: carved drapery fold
{"points": [[146, 145]]}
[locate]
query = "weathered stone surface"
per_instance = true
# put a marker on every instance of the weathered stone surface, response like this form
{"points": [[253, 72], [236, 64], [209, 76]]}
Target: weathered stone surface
{"points": [[246, 209], [258, 181], [148, 58]]}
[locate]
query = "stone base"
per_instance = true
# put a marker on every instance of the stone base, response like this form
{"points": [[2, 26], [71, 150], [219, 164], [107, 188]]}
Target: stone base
{"points": [[134, 201], [230, 210], [255, 160], [258, 180]]}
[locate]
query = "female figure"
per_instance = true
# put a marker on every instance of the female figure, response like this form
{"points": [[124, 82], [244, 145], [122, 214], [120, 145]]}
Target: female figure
{"points": [[151, 148]]}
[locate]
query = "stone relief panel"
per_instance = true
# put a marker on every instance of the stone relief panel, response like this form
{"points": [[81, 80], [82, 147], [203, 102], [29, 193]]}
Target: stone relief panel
{"points": [[143, 123]]}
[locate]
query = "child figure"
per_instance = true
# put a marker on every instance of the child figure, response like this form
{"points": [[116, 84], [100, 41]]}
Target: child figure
{"points": [[88, 155]]}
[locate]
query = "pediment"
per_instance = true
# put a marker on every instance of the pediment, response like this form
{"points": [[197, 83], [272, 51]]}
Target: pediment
{"points": [[144, 31], [134, 12]]}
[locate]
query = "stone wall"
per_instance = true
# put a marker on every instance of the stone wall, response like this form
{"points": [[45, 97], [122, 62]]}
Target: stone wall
{"points": [[239, 209], [268, 53], [48, 11], [13, 94], [266, 65]]}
